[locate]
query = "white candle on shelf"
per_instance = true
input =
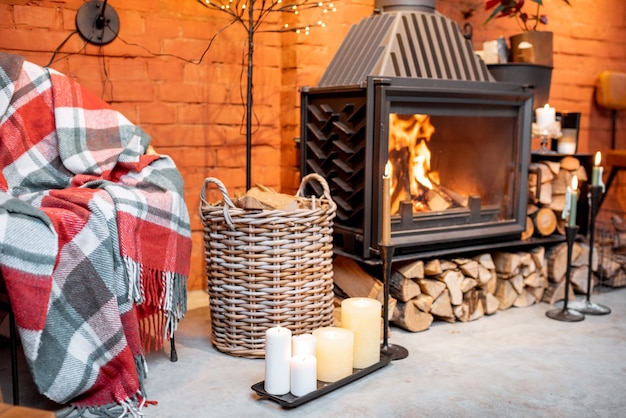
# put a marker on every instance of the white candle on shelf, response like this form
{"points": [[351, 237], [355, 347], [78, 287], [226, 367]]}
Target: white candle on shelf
{"points": [[303, 374], [277, 360], [362, 316], [334, 351], [545, 116], [303, 344]]}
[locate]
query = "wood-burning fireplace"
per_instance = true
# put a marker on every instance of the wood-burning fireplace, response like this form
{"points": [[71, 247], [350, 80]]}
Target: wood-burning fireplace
{"points": [[475, 131]]}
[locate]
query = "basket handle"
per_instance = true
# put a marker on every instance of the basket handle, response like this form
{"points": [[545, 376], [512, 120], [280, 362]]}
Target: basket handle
{"points": [[321, 180], [227, 202]]}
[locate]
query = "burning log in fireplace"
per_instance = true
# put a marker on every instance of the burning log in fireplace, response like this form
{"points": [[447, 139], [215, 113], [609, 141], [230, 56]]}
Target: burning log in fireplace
{"points": [[413, 181]]}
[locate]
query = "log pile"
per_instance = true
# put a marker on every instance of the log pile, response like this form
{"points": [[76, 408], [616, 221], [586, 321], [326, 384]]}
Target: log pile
{"points": [[611, 251], [522, 277], [557, 270], [548, 182], [459, 289]]}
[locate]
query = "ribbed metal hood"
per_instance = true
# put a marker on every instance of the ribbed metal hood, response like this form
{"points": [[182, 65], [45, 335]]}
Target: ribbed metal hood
{"points": [[405, 38]]}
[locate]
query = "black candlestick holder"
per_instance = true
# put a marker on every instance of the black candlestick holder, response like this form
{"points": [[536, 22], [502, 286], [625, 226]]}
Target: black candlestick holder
{"points": [[566, 314], [586, 306], [395, 351]]}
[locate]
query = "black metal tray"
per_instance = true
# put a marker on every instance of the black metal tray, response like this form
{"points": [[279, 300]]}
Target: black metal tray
{"points": [[291, 401]]}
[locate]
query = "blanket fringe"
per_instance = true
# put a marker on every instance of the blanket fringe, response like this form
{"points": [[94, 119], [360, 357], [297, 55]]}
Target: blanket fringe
{"points": [[130, 408], [162, 296]]}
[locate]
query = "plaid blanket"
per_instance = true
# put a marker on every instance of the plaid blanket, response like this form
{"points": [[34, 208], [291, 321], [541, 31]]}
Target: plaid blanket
{"points": [[94, 238]]}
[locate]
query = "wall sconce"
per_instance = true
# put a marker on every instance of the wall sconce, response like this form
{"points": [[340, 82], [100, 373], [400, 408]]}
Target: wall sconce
{"points": [[97, 23]]}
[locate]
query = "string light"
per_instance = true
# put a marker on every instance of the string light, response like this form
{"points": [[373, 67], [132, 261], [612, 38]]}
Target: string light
{"points": [[239, 10]]}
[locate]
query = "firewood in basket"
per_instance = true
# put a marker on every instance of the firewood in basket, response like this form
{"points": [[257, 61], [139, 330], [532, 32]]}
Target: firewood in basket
{"points": [[248, 203], [272, 200]]}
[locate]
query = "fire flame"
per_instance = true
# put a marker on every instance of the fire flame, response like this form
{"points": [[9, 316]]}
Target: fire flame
{"points": [[412, 132]]}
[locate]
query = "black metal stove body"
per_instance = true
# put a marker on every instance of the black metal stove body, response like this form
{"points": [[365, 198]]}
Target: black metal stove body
{"points": [[414, 61], [480, 147]]}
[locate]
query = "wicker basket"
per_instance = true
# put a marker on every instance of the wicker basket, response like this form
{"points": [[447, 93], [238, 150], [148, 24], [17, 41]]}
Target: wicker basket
{"points": [[267, 268]]}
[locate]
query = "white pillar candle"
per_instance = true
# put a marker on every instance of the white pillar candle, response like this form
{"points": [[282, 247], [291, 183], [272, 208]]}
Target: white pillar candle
{"points": [[303, 374], [277, 360], [334, 350], [545, 116], [303, 344], [362, 316]]}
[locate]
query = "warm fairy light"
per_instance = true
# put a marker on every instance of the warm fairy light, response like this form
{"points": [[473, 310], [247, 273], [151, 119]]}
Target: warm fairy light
{"points": [[239, 10]]}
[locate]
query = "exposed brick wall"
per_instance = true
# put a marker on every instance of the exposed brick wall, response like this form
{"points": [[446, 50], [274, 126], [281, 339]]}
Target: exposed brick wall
{"points": [[194, 112]]}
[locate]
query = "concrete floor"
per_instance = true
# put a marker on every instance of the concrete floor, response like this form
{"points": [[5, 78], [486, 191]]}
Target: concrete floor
{"points": [[515, 363]]}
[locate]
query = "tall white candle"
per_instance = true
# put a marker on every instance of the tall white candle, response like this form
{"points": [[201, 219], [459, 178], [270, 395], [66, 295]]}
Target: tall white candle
{"points": [[303, 344], [596, 173], [303, 374], [334, 351], [573, 202], [277, 360], [362, 316], [545, 116], [386, 206]]}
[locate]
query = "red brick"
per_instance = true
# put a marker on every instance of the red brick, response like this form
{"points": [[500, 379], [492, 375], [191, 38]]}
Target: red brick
{"points": [[165, 69], [127, 69], [163, 27], [133, 23], [157, 113], [36, 17], [6, 16], [177, 92]]}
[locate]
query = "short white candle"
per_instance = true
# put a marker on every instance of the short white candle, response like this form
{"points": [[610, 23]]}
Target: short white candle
{"points": [[334, 351], [545, 116], [303, 374], [567, 148], [277, 360], [362, 316], [303, 344]]}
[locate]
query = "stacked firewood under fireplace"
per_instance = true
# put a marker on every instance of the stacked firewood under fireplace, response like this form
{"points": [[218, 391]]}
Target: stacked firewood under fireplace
{"points": [[465, 288]]}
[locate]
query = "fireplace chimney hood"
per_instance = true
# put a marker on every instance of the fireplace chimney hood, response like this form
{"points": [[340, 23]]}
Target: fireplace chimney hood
{"points": [[405, 38]]}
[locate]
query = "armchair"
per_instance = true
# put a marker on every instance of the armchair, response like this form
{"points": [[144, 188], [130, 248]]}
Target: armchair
{"points": [[95, 239]]}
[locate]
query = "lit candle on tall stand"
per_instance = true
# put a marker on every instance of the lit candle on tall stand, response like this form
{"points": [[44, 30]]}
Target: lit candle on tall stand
{"points": [[596, 173], [571, 229], [573, 203], [387, 249], [386, 206], [586, 306]]}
